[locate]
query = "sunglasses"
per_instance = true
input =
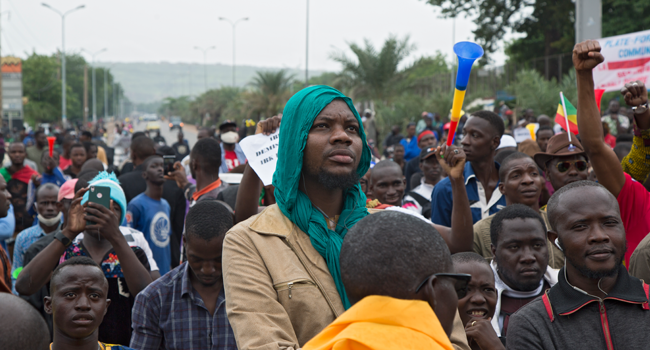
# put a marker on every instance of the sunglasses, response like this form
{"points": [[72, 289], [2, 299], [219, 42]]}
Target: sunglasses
{"points": [[564, 166], [460, 282]]}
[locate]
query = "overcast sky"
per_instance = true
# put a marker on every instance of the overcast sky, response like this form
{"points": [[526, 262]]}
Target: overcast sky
{"points": [[274, 35]]}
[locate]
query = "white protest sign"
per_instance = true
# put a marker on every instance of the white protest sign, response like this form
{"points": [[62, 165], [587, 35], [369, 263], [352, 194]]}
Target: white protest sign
{"points": [[627, 58], [262, 154], [521, 134]]}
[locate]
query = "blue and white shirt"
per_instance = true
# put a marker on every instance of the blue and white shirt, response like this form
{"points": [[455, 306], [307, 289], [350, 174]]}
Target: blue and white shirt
{"points": [[482, 207], [151, 217]]}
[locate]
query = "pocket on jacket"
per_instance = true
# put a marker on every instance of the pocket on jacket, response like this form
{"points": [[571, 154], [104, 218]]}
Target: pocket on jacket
{"points": [[288, 289]]}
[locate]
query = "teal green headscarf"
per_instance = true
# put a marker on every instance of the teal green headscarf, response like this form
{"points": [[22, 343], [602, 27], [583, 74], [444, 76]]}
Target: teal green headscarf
{"points": [[297, 119]]}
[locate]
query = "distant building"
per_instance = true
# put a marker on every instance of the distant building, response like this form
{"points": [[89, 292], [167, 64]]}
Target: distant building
{"points": [[12, 90]]}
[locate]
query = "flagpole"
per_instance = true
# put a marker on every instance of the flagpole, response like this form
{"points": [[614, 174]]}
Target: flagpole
{"points": [[566, 117]]}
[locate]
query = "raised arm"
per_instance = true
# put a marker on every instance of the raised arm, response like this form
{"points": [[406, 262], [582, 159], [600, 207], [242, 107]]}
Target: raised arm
{"points": [[635, 163], [460, 237], [586, 56]]}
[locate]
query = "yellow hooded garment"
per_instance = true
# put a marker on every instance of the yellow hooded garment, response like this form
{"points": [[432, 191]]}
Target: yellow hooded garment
{"points": [[379, 322]]}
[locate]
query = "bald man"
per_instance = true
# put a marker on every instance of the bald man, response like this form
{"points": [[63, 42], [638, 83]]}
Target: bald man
{"points": [[21, 327], [387, 183]]}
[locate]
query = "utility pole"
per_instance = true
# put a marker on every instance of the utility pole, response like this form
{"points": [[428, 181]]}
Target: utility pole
{"points": [[105, 93], [589, 15], [64, 119], [234, 25], [85, 94], [94, 85], [205, 63]]}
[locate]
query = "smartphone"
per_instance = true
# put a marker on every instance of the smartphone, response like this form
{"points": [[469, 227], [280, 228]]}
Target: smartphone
{"points": [[168, 163], [100, 195]]}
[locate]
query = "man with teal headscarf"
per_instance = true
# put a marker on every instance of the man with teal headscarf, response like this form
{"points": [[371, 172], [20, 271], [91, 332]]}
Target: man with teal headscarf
{"points": [[281, 268]]}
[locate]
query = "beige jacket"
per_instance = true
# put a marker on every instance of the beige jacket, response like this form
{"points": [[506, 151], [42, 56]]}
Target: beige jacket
{"points": [[483, 242], [279, 292]]}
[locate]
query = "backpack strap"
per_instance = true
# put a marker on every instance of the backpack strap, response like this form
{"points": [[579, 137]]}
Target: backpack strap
{"points": [[419, 198], [547, 305], [646, 289]]}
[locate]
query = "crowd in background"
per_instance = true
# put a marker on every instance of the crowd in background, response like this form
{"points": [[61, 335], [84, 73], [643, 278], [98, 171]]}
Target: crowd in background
{"points": [[361, 242]]}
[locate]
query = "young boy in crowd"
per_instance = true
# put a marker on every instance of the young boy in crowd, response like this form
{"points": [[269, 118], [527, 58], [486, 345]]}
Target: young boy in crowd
{"points": [[477, 308], [402, 287], [192, 291], [78, 302], [148, 213], [78, 157]]}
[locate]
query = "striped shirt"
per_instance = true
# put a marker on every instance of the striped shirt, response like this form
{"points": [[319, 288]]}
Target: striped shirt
{"points": [[170, 314]]}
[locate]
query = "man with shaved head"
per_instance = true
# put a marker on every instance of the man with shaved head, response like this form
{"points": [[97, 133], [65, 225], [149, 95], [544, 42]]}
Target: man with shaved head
{"points": [[387, 183], [21, 327], [398, 274], [596, 304]]}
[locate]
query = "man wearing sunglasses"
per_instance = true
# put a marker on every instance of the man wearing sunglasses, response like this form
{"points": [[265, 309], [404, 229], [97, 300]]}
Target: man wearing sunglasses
{"points": [[633, 199], [402, 287]]}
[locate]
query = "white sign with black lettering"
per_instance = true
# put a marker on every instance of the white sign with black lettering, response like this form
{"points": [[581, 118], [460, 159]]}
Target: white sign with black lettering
{"points": [[262, 154]]}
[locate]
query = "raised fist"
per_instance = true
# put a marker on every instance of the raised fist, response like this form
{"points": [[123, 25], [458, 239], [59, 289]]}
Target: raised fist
{"points": [[586, 55]]}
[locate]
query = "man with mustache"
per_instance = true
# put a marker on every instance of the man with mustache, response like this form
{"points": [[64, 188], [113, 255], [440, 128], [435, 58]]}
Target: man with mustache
{"points": [[633, 199], [596, 304], [281, 268], [520, 183]]}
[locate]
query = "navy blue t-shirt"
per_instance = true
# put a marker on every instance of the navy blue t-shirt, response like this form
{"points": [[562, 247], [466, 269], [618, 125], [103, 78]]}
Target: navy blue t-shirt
{"points": [[151, 217]]}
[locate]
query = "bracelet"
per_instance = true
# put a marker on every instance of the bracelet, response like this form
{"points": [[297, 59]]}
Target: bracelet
{"points": [[640, 109]]}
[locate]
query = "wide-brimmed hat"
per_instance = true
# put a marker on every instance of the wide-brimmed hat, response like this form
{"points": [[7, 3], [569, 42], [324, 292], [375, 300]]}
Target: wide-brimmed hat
{"points": [[559, 146]]}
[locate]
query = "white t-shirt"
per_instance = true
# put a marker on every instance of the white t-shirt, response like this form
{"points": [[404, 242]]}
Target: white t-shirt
{"points": [[135, 238]]}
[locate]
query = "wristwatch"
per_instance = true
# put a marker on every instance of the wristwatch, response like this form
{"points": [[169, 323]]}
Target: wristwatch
{"points": [[64, 240], [640, 109]]}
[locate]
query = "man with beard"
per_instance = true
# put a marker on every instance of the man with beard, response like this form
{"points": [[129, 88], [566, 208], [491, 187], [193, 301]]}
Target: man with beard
{"points": [[520, 263], [596, 304], [521, 183], [190, 299], [633, 199], [281, 268], [481, 137]]}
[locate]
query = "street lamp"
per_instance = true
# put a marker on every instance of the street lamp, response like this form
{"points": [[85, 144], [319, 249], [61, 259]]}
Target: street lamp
{"points": [[94, 88], [63, 85], [234, 24], [205, 63]]}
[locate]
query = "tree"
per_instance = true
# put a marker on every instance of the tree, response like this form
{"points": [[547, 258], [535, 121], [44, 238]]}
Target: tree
{"points": [[218, 104], [625, 16], [372, 74], [541, 95], [271, 92]]}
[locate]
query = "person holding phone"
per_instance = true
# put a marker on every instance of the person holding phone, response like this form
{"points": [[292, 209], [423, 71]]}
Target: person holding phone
{"points": [[149, 213], [126, 268]]}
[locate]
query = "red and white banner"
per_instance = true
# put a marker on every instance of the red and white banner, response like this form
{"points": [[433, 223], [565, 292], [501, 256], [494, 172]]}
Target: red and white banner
{"points": [[627, 58]]}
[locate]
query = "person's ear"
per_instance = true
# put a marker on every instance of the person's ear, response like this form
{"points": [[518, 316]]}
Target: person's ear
{"points": [[108, 303], [59, 206], [496, 141], [429, 292], [502, 188], [493, 249], [552, 236], [47, 305]]}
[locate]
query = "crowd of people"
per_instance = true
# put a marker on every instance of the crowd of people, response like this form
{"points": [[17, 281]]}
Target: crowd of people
{"points": [[492, 243]]}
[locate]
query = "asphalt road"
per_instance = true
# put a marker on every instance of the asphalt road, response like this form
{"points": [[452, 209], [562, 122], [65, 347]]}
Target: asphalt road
{"points": [[189, 132]]}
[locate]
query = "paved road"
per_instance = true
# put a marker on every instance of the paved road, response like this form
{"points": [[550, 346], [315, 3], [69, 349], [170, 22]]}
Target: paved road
{"points": [[189, 132]]}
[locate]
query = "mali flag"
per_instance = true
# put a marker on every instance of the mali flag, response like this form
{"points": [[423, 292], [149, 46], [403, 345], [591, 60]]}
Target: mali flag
{"points": [[572, 116]]}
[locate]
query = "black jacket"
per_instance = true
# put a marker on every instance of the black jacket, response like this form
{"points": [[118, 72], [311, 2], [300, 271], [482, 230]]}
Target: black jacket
{"points": [[565, 318], [133, 184]]}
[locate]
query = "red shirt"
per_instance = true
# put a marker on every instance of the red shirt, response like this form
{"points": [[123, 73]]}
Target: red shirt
{"points": [[610, 140], [231, 160], [634, 204], [64, 163]]}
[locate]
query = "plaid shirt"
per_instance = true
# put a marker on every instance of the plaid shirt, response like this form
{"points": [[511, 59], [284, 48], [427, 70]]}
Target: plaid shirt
{"points": [[170, 314]]}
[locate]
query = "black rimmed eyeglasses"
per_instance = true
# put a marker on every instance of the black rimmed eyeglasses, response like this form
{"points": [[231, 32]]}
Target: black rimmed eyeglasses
{"points": [[460, 282]]}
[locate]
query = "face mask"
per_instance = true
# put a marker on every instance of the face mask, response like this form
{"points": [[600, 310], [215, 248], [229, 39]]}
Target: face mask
{"points": [[230, 137], [49, 222]]}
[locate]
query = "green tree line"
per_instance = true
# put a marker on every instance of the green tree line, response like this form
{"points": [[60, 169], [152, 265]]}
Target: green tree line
{"points": [[42, 88]]}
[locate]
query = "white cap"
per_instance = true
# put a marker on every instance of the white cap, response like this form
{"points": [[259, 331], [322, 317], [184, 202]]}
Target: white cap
{"points": [[507, 141]]}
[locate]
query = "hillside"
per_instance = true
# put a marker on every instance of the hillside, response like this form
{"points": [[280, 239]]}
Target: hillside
{"points": [[149, 82]]}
